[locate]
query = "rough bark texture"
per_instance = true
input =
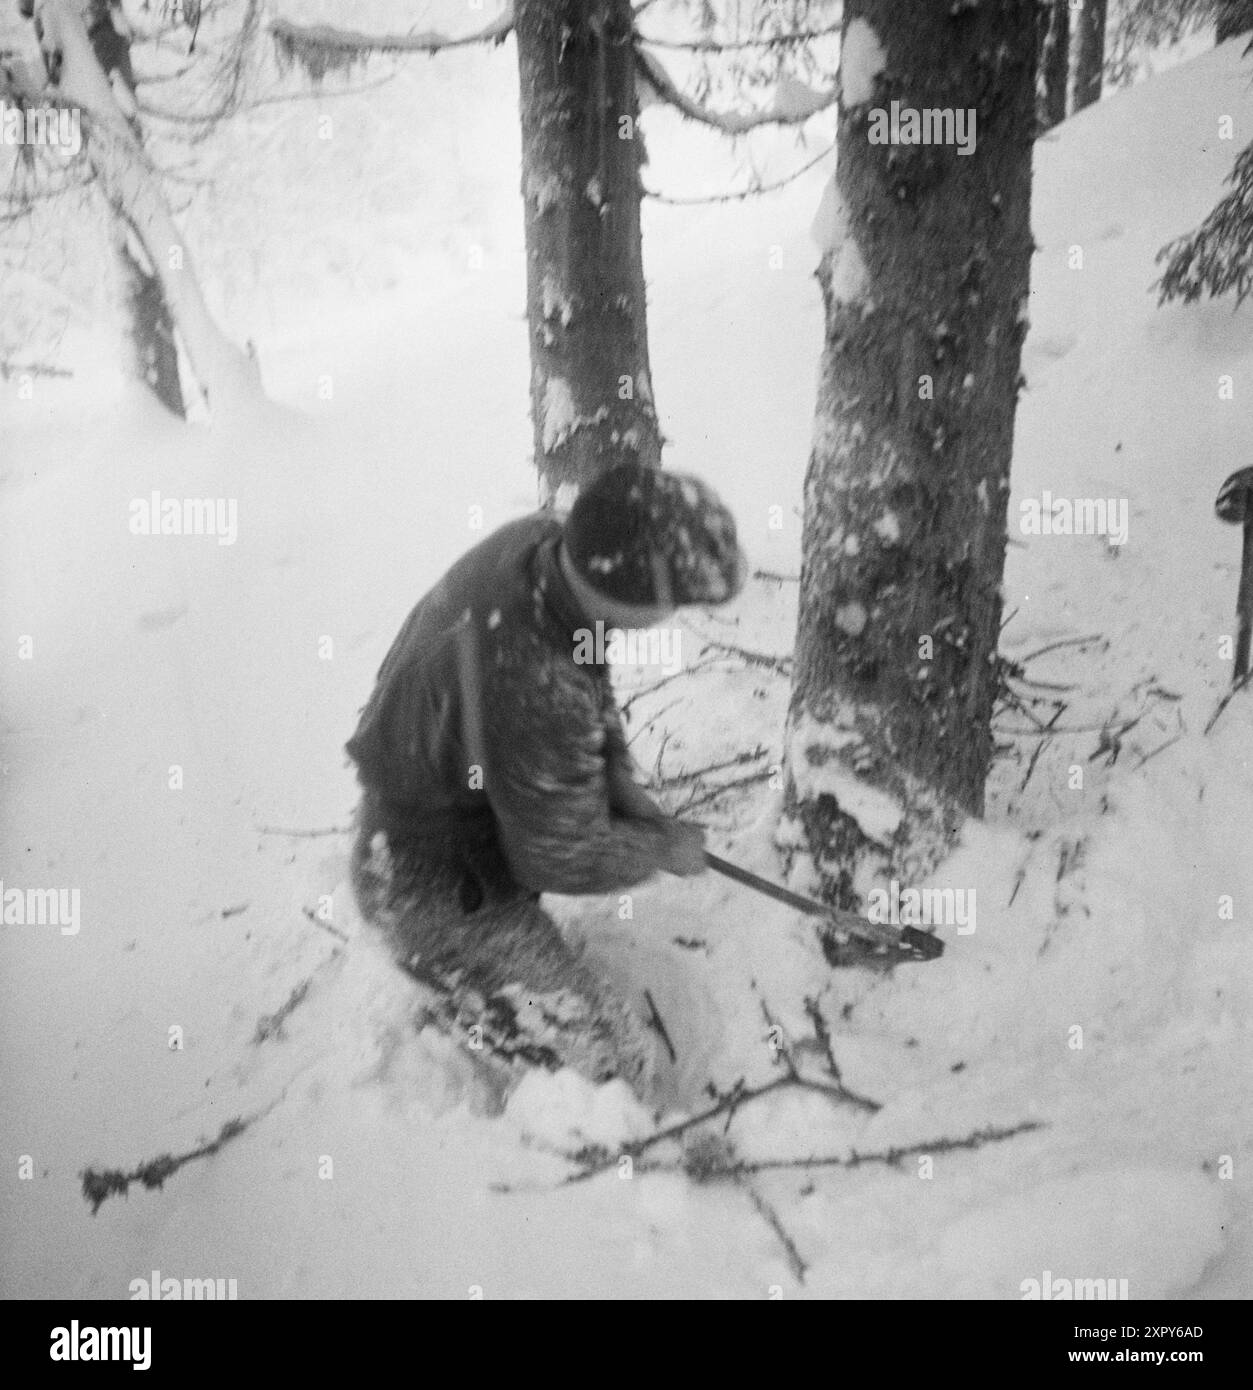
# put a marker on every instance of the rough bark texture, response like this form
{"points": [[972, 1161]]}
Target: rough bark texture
{"points": [[154, 356], [591, 388], [1233, 17], [924, 279], [1054, 65], [1090, 53]]}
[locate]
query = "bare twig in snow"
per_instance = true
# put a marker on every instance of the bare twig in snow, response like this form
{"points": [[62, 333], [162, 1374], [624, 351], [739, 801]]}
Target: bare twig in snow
{"points": [[1065, 642], [99, 1184], [771, 1218], [657, 1024], [677, 778]]}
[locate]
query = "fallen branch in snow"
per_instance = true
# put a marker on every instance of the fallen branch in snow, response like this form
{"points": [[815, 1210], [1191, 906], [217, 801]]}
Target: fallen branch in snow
{"points": [[1019, 879], [596, 1159], [676, 779], [1161, 748], [855, 1158], [781, 664], [1066, 642], [324, 926], [778, 578], [1022, 702], [271, 1025], [822, 1037], [1045, 685], [703, 1163], [772, 1219], [1110, 741], [713, 793], [643, 728], [822, 1034], [1043, 732], [1039, 748], [101, 1184], [709, 1156], [658, 1025], [1113, 730], [696, 668]]}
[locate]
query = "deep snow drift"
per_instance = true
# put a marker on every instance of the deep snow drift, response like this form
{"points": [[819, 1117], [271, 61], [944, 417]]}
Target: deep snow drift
{"points": [[371, 1165]]}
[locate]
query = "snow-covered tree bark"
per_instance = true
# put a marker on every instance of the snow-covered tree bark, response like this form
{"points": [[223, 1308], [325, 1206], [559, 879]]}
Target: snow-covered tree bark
{"points": [[924, 276], [154, 355], [1054, 65], [591, 387], [228, 377], [1090, 53]]}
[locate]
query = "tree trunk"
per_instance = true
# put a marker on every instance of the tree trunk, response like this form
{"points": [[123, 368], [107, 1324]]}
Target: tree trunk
{"points": [[591, 388], [1233, 17], [154, 355], [1054, 65], [228, 377], [1090, 56], [924, 277]]}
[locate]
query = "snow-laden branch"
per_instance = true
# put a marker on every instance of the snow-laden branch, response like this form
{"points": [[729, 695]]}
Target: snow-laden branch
{"points": [[1217, 256], [328, 45], [130, 185], [792, 105], [782, 40]]}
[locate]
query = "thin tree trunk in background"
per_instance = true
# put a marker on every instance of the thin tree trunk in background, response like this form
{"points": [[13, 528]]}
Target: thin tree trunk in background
{"points": [[1233, 17], [591, 387], [229, 378], [924, 279], [1090, 53], [1054, 66], [154, 355]]}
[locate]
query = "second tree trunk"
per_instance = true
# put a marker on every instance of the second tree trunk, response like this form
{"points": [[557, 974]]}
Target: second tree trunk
{"points": [[591, 388], [924, 277]]}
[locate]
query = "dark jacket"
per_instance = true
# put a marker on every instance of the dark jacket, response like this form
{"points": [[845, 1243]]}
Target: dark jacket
{"points": [[482, 676]]}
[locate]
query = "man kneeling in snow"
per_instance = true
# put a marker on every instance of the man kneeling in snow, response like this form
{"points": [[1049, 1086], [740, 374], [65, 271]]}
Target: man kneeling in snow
{"points": [[495, 768]]}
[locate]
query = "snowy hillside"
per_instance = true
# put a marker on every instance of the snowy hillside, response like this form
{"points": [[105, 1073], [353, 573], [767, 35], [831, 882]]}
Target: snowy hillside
{"points": [[213, 898]]}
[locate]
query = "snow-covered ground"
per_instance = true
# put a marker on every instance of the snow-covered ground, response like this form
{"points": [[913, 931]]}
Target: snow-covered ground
{"points": [[373, 1160]]}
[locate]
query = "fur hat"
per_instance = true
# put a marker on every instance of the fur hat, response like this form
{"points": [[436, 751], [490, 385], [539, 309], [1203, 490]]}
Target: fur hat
{"points": [[646, 537]]}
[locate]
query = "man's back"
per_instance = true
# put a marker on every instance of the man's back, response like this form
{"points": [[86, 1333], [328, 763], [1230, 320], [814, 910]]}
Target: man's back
{"points": [[495, 766], [481, 712]]}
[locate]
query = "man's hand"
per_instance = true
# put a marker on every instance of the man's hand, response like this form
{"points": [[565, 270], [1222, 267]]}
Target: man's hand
{"points": [[685, 853], [685, 844]]}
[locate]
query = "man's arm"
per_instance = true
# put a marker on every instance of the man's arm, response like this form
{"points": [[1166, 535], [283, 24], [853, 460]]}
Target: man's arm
{"points": [[566, 825]]}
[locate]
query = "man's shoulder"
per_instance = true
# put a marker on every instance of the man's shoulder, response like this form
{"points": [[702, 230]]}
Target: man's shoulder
{"points": [[521, 536], [500, 568]]}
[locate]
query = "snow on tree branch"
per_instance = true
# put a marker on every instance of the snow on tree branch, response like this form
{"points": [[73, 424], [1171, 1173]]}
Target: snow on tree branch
{"points": [[783, 40], [322, 48], [794, 102], [1218, 256], [126, 178]]}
